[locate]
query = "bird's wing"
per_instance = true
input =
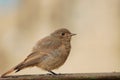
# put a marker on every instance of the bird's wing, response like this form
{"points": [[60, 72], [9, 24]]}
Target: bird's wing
{"points": [[44, 46]]}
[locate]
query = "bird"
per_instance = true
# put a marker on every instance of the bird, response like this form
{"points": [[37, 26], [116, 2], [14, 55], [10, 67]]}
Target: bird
{"points": [[49, 53]]}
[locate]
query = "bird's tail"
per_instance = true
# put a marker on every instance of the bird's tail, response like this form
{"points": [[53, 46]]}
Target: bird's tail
{"points": [[11, 70], [16, 69]]}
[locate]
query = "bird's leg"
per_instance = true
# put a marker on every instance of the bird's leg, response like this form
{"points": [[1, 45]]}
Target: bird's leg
{"points": [[52, 72]]}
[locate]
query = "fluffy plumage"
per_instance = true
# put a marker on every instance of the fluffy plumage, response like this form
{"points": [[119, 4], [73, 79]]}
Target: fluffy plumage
{"points": [[49, 53]]}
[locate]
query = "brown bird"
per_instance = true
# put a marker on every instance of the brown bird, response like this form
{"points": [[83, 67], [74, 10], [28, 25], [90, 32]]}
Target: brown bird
{"points": [[49, 53]]}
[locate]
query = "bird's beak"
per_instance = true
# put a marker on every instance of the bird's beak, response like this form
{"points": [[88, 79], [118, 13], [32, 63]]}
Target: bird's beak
{"points": [[72, 34]]}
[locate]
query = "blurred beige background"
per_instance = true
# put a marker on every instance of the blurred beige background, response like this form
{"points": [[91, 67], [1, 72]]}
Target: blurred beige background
{"points": [[95, 48]]}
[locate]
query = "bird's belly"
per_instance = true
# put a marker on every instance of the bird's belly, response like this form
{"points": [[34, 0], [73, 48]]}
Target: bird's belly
{"points": [[52, 62]]}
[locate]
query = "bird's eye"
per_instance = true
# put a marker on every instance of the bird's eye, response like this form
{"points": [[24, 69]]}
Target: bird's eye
{"points": [[62, 34]]}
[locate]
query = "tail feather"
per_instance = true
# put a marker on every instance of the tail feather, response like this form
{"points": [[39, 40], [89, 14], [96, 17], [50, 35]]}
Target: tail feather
{"points": [[22, 65], [11, 70], [16, 69]]}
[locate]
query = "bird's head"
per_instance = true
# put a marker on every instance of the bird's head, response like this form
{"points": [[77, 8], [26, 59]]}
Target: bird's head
{"points": [[63, 34]]}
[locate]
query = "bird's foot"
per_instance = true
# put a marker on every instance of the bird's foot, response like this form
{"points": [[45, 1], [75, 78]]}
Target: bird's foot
{"points": [[52, 73]]}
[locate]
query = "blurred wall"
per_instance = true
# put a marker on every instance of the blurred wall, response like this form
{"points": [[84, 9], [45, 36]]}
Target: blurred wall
{"points": [[95, 48]]}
